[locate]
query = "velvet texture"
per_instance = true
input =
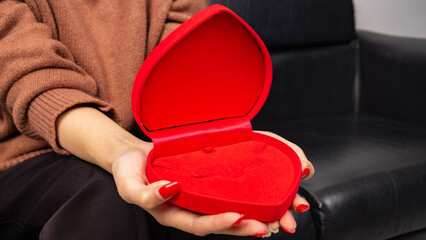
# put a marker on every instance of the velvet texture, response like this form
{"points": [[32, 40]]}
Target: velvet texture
{"points": [[213, 72], [257, 178]]}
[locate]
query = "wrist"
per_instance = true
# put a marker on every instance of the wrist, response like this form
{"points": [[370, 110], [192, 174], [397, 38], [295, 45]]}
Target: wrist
{"points": [[126, 144], [92, 136]]}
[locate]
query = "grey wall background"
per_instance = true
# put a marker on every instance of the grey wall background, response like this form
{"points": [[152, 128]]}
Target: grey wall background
{"points": [[395, 17]]}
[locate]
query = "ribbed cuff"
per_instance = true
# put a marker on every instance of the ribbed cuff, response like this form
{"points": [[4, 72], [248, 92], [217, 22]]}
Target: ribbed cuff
{"points": [[45, 109]]}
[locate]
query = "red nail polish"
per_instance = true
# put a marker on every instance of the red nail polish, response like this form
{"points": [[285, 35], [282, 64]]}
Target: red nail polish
{"points": [[289, 231], [302, 208], [305, 173], [168, 190], [260, 234], [238, 221]]}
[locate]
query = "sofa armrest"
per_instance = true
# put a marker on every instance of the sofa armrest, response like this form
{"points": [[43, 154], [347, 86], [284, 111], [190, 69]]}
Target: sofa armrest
{"points": [[393, 77]]}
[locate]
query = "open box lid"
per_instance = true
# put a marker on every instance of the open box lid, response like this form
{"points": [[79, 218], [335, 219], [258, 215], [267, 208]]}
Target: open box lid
{"points": [[213, 67]]}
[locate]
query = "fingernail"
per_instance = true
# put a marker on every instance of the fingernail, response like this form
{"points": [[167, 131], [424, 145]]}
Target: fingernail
{"points": [[302, 208], [305, 173], [235, 224], [274, 231], [167, 191], [260, 234], [267, 235], [291, 231]]}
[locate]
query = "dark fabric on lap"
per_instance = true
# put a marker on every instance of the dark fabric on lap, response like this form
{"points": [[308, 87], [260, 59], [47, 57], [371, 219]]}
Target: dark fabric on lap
{"points": [[71, 198]]}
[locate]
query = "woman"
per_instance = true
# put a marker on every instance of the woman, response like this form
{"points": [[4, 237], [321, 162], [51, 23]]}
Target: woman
{"points": [[66, 73]]}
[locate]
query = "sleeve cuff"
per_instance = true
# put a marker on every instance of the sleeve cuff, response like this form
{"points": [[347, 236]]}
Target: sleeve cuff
{"points": [[46, 107]]}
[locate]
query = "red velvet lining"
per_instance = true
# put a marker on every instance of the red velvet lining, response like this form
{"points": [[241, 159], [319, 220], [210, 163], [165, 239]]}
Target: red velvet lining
{"points": [[242, 171], [263, 172], [217, 71]]}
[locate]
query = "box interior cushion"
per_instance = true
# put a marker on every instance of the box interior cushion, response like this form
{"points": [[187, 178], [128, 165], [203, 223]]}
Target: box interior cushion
{"points": [[261, 172]]}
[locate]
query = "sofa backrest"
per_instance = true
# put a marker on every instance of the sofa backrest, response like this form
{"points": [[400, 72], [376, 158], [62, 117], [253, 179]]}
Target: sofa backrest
{"points": [[312, 51], [294, 23]]}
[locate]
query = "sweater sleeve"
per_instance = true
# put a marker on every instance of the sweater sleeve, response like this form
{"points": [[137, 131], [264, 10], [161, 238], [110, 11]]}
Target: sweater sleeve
{"points": [[178, 12], [38, 76]]}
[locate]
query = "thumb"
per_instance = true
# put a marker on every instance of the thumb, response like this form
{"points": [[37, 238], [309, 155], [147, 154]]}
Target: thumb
{"points": [[157, 193], [166, 191]]}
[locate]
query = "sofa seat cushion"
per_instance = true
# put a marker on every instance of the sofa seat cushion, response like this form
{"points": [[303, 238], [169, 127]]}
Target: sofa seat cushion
{"points": [[370, 174]]}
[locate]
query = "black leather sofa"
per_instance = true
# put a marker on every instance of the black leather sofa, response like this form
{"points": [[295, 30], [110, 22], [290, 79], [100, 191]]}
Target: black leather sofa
{"points": [[355, 102]]}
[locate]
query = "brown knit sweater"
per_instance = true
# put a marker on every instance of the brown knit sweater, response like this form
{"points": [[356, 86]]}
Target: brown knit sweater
{"points": [[57, 54]]}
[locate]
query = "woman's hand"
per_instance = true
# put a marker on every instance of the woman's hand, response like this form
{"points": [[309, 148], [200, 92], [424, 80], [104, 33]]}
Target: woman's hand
{"points": [[90, 135], [129, 174]]}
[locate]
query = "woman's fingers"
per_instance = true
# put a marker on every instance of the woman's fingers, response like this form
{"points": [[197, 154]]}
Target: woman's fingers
{"points": [[132, 186], [299, 204], [288, 223], [155, 194], [274, 227], [250, 227], [308, 169], [200, 225], [133, 190]]}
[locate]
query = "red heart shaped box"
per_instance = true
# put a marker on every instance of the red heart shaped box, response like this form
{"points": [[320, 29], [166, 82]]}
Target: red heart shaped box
{"points": [[194, 96]]}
